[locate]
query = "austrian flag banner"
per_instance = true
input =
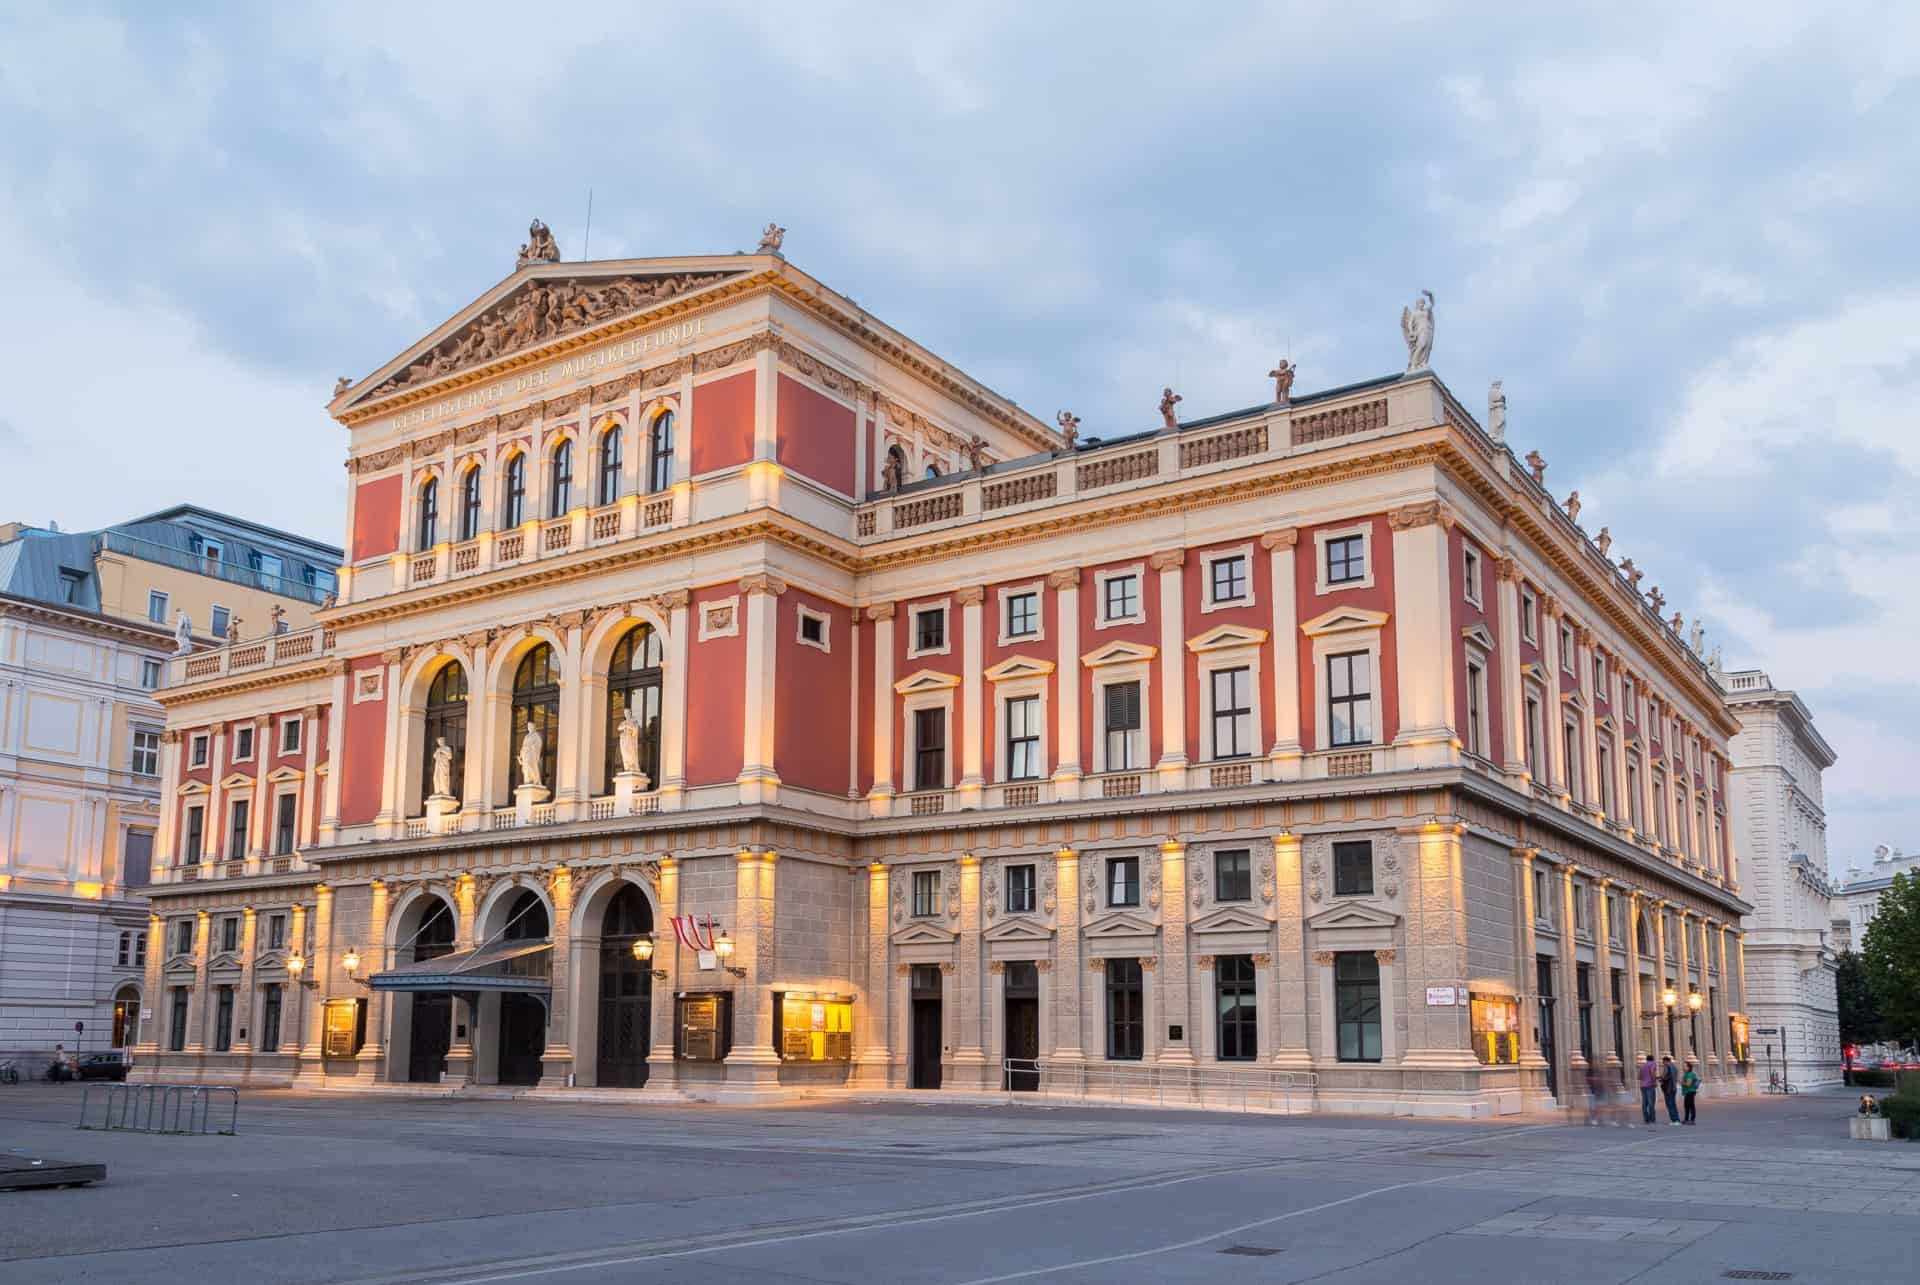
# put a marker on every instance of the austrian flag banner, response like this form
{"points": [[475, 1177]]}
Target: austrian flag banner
{"points": [[687, 929]]}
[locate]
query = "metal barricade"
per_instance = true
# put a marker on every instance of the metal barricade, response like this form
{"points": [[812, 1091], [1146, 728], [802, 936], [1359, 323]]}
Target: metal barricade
{"points": [[161, 1108], [1218, 1088]]}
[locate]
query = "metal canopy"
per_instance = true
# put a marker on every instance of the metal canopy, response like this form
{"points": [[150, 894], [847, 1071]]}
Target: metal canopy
{"points": [[520, 966]]}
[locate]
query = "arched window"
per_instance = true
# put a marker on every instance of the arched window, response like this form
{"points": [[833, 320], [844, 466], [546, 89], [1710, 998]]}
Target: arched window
{"points": [[470, 503], [609, 465], [446, 717], [560, 489], [933, 470], [634, 675], [526, 918], [660, 457], [895, 470], [513, 507], [536, 702], [429, 513]]}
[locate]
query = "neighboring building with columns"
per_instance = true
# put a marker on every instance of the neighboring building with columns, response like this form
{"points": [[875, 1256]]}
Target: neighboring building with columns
{"points": [[1779, 818], [87, 621], [1311, 740]]}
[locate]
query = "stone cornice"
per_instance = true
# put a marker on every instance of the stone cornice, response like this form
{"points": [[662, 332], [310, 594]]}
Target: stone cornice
{"points": [[93, 622]]}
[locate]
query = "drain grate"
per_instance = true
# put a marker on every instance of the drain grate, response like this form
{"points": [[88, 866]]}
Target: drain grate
{"points": [[1749, 1274], [1250, 1251]]}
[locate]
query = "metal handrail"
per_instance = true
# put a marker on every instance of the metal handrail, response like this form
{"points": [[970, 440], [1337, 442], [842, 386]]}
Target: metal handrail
{"points": [[161, 1108], [1220, 1087]]}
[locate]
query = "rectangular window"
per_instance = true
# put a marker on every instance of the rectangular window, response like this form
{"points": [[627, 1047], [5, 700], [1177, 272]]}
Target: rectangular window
{"points": [[150, 672], [196, 833], [242, 744], [212, 550], [1476, 709], [177, 1021], [237, 832], [1613, 919], [1232, 712], [156, 606], [276, 931], [124, 957], [1356, 1005], [1121, 597], [1534, 734], [930, 629], [1350, 699], [218, 622], [1583, 994], [230, 934], [1346, 559], [285, 823], [223, 1020], [1633, 791], [183, 936], [1124, 749], [1529, 616], [1023, 738], [1580, 924], [73, 585], [1126, 1011], [1619, 980], [926, 893], [1123, 881], [1570, 748], [1233, 875], [660, 454], [289, 736], [1603, 761], [197, 756], [1023, 615], [1239, 1022], [146, 752], [1599, 677], [1470, 573], [1353, 869], [269, 1019], [1227, 579], [929, 749], [1566, 647], [1626, 699], [813, 629], [1542, 898], [139, 950], [1020, 889]]}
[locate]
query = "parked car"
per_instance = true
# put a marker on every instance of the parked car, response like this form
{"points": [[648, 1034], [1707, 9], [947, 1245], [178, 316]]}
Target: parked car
{"points": [[102, 1066]]}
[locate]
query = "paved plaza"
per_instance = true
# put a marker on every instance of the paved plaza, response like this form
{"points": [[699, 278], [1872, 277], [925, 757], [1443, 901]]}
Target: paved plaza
{"points": [[455, 1191]]}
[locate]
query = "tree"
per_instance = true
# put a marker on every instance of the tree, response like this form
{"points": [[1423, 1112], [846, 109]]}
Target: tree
{"points": [[1859, 1016], [1891, 955]]}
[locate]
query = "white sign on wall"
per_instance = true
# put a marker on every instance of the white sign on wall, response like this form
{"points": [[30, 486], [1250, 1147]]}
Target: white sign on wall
{"points": [[1443, 997]]}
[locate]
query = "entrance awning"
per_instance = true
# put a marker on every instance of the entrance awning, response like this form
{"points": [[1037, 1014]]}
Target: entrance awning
{"points": [[521, 966]]}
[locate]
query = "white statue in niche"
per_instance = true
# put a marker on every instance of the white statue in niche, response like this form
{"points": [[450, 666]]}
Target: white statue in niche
{"points": [[531, 749], [629, 740], [442, 769], [183, 634]]}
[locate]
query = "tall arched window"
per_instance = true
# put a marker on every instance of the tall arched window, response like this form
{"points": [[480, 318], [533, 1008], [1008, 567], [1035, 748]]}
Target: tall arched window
{"points": [[660, 456], [429, 513], [513, 507], [526, 918], [536, 701], [446, 717], [634, 675], [933, 471], [470, 503], [560, 489], [894, 472], [609, 465]]}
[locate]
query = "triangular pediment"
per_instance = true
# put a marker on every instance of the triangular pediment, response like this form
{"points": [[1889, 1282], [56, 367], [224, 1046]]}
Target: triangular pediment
{"points": [[1607, 723], [224, 959], [1574, 698], [1119, 653], [1222, 637], [1227, 919], [1019, 928], [280, 774], [236, 781], [1121, 923], [1353, 914], [923, 932], [1019, 667], [1343, 620], [181, 966], [1535, 670], [193, 787], [1479, 635], [542, 303], [926, 680]]}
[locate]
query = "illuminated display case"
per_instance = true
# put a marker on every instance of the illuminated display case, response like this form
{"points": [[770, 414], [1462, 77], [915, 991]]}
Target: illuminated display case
{"points": [[1737, 1022], [345, 1028], [814, 1028], [702, 1025], [1496, 1029]]}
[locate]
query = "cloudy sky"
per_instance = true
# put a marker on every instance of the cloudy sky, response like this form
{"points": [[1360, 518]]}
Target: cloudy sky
{"points": [[1684, 240]]}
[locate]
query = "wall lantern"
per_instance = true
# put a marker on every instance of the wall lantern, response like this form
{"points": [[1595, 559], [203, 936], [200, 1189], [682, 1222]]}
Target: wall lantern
{"points": [[1695, 999], [1670, 998], [296, 965], [723, 947], [350, 961], [643, 948]]}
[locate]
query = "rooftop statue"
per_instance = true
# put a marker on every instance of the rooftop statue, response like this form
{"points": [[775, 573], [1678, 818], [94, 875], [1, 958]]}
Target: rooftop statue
{"points": [[182, 634], [1497, 412], [1168, 400], [1538, 464], [770, 239], [1069, 426], [1604, 540], [342, 384], [1282, 376], [1416, 325], [1573, 506], [540, 247]]}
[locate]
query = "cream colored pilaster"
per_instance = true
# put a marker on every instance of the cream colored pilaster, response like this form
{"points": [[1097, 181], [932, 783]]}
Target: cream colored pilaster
{"points": [[244, 1007], [1070, 976], [1569, 1006], [673, 697], [970, 1066], [972, 663], [872, 1058], [1662, 978], [1292, 1044], [320, 971], [1173, 677], [1284, 604], [163, 841], [683, 431], [153, 994], [1526, 983], [1069, 767], [200, 1015], [754, 1064], [1507, 657], [309, 791], [1683, 1012], [1556, 752], [1439, 1037], [1603, 1043], [293, 1027], [336, 721], [556, 1062], [213, 846], [758, 781], [392, 807], [258, 826], [569, 768], [880, 796], [374, 959], [1173, 980], [1637, 1046], [1423, 623]]}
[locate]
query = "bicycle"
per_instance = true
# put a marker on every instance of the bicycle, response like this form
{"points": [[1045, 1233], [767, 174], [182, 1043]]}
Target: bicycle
{"points": [[1777, 1085]]}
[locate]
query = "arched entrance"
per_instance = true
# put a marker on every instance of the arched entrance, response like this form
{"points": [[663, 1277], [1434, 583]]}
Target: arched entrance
{"points": [[626, 991], [432, 1013], [523, 1018], [126, 1017]]}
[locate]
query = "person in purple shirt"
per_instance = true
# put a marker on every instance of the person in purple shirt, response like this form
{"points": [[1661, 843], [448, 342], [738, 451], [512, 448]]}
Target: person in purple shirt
{"points": [[1649, 1077]]}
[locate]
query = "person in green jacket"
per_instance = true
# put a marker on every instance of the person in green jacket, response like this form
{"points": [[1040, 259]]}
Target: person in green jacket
{"points": [[1689, 1088]]}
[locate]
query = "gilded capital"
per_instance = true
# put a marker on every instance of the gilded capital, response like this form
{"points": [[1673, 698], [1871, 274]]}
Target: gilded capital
{"points": [[1167, 559], [971, 596], [1067, 579], [761, 582], [880, 611], [1507, 570], [1284, 538], [1406, 518]]}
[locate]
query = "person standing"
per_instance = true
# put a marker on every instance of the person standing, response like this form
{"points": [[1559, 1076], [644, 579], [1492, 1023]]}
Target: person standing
{"points": [[1690, 1088], [1669, 1082], [1647, 1078], [1596, 1094]]}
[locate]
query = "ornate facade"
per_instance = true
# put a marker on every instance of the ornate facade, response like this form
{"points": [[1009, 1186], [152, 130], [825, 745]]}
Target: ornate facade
{"points": [[729, 696]]}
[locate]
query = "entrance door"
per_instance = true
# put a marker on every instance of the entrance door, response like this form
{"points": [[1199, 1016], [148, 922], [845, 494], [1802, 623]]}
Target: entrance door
{"points": [[626, 991], [432, 1014], [924, 1068], [523, 1038], [1548, 1050], [1022, 1027]]}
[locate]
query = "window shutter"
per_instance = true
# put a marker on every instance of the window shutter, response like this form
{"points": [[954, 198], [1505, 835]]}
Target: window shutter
{"points": [[1123, 706]]}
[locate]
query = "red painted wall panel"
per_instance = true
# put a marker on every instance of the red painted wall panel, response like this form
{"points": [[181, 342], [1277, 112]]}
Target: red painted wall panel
{"points": [[716, 692], [1466, 615], [722, 423], [1046, 648], [947, 664], [863, 688], [814, 693], [814, 435], [376, 518], [1093, 639], [1377, 597], [362, 749], [1258, 616]]}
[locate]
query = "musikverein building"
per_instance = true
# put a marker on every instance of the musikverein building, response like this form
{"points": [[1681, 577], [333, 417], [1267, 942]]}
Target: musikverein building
{"points": [[728, 695]]}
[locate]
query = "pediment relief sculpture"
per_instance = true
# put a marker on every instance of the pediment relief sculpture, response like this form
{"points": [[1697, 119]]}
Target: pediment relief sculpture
{"points": [[540, 311]]}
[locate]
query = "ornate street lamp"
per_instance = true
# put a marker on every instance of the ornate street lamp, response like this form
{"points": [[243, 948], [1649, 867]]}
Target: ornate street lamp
{"points": [[296, 965], [643, 948], [723, 947], [1671, 998], [1695, 999], [350, 961]]}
